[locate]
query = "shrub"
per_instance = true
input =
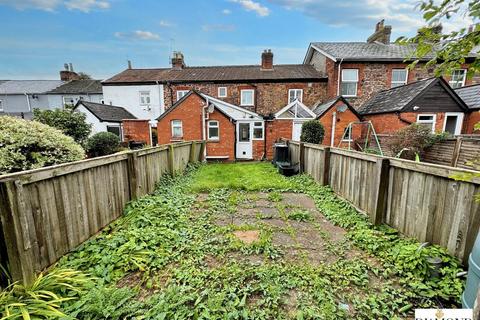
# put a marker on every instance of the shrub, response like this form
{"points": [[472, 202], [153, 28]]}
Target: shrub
{"points": [[412, 141], [28, 145], [71, 123], [312, 132], [102, 144]]}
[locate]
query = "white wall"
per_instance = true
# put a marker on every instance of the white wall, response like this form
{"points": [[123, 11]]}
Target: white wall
{"points": [[97, 125], [128, 96]]}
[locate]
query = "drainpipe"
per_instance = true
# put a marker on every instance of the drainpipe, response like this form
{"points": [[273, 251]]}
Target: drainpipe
{"points": [[160, 97], [334, 122], [28, 102], [338, 77], [205, 108]]}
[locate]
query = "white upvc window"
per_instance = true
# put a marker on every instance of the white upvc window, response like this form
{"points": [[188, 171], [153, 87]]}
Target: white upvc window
{"points": [[247, 97], [427, 120], [347, 134], [181, 94], [399, 77], [349, 82], [222, 92], [177, 130], [295, 94], [213, 130], [258, 130], [1, 106], [144, 98], [458, 78]]}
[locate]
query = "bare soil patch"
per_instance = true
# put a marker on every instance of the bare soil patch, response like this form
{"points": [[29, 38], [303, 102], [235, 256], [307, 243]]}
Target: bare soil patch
{"points": [[247, 237]]}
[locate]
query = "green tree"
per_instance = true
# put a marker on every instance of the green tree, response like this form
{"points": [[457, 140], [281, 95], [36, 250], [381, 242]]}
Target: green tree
{"points": [[28, 145], [71, 123], [312, 132]]}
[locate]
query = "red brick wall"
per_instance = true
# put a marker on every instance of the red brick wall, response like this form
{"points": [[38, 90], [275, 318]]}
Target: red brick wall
{"points": [[389, 122], [275, 130], [343, 119], [225, 146], [470, 121], [270, 97], [136, 130]]}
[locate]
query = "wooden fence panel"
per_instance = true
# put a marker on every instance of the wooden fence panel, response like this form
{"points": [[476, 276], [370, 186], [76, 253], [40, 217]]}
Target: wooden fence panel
{"points": [[47, 212], [294, 150], [314, 164]]}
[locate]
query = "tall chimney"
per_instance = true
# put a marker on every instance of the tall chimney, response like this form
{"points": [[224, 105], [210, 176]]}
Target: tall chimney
{"points": [[267, 60], [382, 33], [68, 74], [177, 60], [129, 63]]}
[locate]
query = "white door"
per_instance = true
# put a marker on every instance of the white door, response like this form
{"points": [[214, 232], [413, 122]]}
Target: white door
{"points": [[453, 123], [297, 130], [244, 140]]}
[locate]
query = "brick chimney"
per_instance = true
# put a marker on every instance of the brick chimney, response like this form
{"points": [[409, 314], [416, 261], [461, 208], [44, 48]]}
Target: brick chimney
{"points": [[68, 74], [178, 62], [267, 60], [382, 33]]}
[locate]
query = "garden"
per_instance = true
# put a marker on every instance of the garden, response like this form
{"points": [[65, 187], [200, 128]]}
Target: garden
{"points": [[240, 241]]}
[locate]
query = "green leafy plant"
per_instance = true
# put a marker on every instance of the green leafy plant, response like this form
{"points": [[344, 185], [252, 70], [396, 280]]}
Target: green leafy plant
{"points": [[102, 144], [300, 215], [312, 132], [28, 145], [71, 123], [44, 297]]}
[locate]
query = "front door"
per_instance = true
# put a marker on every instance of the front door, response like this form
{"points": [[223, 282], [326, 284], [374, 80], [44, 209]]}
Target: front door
{"points": [[244, 140], [453, 123], [297, 130]]}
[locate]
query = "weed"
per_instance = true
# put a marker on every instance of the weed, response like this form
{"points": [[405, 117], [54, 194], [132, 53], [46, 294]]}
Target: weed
{"points": [[300, 215]]}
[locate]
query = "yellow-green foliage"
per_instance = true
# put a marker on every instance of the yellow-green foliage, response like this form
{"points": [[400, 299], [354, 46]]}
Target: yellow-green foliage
{"points": [[28, 145]]}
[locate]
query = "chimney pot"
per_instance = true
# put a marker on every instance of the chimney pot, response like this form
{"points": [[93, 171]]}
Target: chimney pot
{"points": [[68, 74], [267, 60], [382, 33], [129, 63], [178, 62]]}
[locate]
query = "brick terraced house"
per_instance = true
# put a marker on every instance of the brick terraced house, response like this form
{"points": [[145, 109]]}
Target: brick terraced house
{"points": [[358, 70]]}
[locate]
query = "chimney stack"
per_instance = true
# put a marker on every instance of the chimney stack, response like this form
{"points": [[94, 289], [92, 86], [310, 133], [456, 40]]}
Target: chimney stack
{"points": [[68, 74], [177, 60], [267, 60], [129, 63], [382, 33]]}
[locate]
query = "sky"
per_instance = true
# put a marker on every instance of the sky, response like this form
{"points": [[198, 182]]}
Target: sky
{"points": [[98, 36]]}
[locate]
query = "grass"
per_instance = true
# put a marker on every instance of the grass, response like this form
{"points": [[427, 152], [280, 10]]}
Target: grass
{"points": [[239, 176], [167, 258]]}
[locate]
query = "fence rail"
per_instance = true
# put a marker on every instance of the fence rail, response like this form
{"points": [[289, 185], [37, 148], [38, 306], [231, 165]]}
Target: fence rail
{"points": [[47, 212], [420, 200]]}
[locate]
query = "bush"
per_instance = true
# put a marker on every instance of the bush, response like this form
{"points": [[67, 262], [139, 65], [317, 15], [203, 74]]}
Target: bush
{"points": [[102, 144], [28, 145], [71, 123], [413, 140], [312, 132]]}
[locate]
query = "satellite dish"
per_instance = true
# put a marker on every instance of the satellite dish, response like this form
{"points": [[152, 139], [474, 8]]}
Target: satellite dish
{"points": [[342, 108], [211, 108]]}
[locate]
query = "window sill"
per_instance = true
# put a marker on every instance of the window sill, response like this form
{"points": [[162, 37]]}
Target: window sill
{"points": [[176, 139], [213, 140], [247, 105]]}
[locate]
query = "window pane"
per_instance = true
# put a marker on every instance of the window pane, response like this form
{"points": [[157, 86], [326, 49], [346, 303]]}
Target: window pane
{"points": [[257, 133], [244, 132], [425, 118], [399, 75], [213, 133], [247, 97], [257, 124], [115, 130], [222, 92], [349, 89], [349, 75]]}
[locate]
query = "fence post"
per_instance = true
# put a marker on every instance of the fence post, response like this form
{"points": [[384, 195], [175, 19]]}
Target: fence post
{"points": [[202, 151], [192, 152], [16, 233], [325, 180], [456, 151], [302, 156], [380, 190], [132, 160], [171, 159]]}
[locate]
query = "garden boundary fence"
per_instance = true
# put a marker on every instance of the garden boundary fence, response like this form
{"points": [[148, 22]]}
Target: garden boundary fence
{"points": [[47, 212], [421, 200]]}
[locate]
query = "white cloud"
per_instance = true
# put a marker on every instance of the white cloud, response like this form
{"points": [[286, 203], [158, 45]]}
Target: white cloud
{"points": [[137, 35], [165, 24], [52, 5], [251, 5], [218, 27], [226, 11]]}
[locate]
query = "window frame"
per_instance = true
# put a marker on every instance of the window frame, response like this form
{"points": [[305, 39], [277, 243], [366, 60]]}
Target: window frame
{"points": [[350, 81], [117, 127], [183, 92], [433, 121], [255, 126], [401, 83], [464, 79], [1, 106], [147, 94], [295, 90], [217, 138], [242, 103], [349, 139], [173, 126], [226, 92]]}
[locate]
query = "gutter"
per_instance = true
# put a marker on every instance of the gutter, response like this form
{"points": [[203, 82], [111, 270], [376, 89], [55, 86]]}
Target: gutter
{"points": [[338, 77]]}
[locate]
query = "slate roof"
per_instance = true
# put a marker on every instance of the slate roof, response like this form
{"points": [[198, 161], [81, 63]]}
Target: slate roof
{"points": [[363, 51], [395, 99], [105, 112], [79, 87], [321, 108], [470, 95], [28, 86], [218, 74]]}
